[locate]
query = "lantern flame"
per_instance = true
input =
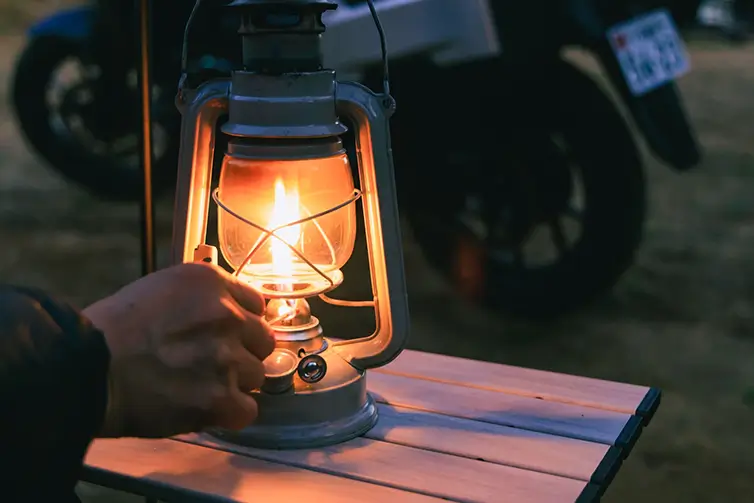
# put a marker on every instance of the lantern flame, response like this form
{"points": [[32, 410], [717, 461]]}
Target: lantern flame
{"points": [[284, 211]]}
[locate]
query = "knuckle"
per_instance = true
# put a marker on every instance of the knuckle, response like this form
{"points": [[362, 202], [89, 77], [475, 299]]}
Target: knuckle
{"points": [[204, 398], [259, 301], [261, 336], [224, 356], [256, 375], [218, 393], [202, 271], [228, 311], [268, 340]]}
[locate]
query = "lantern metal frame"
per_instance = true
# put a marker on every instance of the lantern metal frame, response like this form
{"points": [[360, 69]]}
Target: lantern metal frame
{"points": [[324, 400], [269, 234]]}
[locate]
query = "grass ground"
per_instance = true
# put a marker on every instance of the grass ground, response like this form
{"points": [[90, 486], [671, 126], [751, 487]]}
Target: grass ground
{"points": [[681, 319]]}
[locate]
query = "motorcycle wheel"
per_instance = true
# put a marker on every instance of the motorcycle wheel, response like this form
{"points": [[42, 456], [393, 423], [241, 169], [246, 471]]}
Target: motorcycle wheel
{"points": [[103, 171], [558, 138]]}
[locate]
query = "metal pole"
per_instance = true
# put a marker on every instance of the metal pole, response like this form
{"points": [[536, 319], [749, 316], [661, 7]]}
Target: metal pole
{"points": [[148, 246]]}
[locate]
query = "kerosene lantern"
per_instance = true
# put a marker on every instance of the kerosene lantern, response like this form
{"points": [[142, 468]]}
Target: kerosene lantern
{"points": [[287, 219]]}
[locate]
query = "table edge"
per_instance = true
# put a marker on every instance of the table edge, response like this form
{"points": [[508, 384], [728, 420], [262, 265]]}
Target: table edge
{"points": [[649, 404], [611, 464]]}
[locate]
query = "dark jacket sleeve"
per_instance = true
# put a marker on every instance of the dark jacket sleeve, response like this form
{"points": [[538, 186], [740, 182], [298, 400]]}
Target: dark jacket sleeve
{"points": [[53, 395]]}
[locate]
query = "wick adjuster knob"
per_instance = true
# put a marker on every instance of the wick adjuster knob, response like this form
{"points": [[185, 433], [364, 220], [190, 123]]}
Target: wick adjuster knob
{"points": [[279, 368], [312, 369]]}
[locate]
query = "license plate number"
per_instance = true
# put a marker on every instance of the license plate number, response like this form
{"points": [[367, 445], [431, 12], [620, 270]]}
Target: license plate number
{"points": [[649, 50]]}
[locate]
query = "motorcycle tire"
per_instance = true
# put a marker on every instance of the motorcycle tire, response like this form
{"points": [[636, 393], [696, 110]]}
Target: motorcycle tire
{"points": [[570, 104], [102, 176]]}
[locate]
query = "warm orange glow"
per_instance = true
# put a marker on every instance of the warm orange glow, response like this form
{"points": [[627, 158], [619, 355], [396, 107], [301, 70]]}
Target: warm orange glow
{"points": [[273, 193], [285, 210], [285, 310]]}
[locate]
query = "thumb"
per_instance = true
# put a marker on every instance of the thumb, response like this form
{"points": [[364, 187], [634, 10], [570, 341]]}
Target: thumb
{"points": [[236, 409], [245, 296]]}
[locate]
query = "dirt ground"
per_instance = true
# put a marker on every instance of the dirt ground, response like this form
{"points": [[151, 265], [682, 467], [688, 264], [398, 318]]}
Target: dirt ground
{"points": [[681, 319]]}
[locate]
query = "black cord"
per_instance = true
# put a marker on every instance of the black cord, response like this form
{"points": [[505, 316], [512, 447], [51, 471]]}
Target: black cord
{"points": [[383, 48], [186, 32]]}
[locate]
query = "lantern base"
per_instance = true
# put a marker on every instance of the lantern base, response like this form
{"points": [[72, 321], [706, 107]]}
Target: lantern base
{"points": [[328, 412]]}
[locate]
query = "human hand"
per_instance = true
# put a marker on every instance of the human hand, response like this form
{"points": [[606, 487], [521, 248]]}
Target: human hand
{"points": [[186, 343]]}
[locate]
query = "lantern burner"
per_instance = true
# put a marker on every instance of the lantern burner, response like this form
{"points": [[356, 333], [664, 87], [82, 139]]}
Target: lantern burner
{"points": [[294, 326]]}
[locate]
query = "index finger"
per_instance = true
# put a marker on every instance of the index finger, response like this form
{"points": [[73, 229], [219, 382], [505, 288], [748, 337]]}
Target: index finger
{"points": [[246, 297], [257, 337]]}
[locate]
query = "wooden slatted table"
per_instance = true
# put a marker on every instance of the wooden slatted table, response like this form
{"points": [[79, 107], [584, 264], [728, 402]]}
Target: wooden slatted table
{"points": [[449, 429]]}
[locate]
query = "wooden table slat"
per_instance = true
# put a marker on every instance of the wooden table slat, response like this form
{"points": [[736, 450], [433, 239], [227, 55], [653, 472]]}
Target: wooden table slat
{"points": [[565, 457], [551, 386], [432, 473], [178, 471], [555, 418]]}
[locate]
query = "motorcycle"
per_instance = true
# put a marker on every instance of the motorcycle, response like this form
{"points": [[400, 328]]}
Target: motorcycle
{"points": [[514, 140], [520, 177]]}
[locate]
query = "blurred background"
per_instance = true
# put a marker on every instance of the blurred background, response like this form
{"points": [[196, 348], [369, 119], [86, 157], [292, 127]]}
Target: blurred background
{"points": [[681, 316]]}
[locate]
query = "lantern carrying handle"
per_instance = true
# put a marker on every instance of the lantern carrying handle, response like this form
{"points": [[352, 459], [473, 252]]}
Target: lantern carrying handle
{"points": [[369, 112]]}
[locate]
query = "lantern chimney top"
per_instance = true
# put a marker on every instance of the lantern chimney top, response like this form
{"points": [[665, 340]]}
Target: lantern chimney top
{"points": [[282, 36]]}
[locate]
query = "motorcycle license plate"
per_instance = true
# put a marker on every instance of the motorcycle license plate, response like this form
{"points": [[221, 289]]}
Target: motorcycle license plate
{"points": [[650, 51]]}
